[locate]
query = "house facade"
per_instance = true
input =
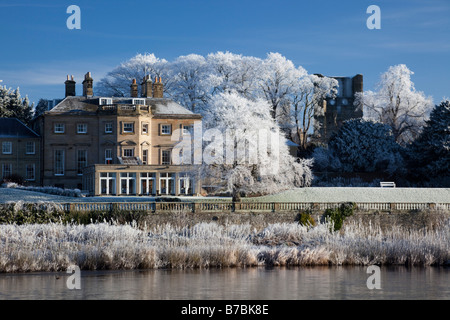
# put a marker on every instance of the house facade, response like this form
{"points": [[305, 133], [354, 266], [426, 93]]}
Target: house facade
{"points": [[117, 146], [20, 152]]}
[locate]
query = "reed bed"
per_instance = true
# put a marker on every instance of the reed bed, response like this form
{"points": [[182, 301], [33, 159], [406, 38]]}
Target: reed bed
{"points": [[113, 246]]}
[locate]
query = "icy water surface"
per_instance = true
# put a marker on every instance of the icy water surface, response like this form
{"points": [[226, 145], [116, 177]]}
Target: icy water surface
{"points": [[337, 283]]}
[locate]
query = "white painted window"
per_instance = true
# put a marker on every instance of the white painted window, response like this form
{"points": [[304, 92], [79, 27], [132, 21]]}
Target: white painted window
{"points": [[108, 127], [82, 128], [30, 147], [108, 156], [81, 161], [30, 172], [165, 157], [128, 127], [59, 163], [59, 128], [128, 152], [105, 101], [7, 147], [166, 129], [6, 170], [139, 101]]}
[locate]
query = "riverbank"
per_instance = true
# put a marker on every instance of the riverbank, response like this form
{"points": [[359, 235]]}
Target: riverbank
{"points": [[103, 246]]}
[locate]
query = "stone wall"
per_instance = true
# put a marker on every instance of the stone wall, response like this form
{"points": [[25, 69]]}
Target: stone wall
{"points": [[409, 220]]}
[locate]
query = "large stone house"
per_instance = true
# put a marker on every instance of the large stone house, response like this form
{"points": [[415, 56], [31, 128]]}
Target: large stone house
{"points": [[20, 153], [117, 146]]}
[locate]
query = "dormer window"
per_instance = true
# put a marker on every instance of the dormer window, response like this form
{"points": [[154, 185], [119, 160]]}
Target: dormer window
{"points": [[138, 102], [104, 101]]}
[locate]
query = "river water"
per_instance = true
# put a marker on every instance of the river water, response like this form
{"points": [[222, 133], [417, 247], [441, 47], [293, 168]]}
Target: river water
{"points": [[336, 283]]}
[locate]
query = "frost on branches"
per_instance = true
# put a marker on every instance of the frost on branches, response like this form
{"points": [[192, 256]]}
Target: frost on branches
{"points": [[247, 149], [397, 104], [361, 146], [194, 80]]}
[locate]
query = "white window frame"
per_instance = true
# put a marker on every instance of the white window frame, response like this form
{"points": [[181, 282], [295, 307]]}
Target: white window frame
{"points": [[145, 156], [128, 149], [85, 162], [109, 177], [149, 179], [138, 101], [7, 147], [170, 157], [33, 166], [128, 123], [9, 170], [107, 126], [169, 180], [28, 149], [108, 155], [63, 155], [83, 127], [145, 125], [59, 128], [166, 132], [104, 101], [130, 179]]}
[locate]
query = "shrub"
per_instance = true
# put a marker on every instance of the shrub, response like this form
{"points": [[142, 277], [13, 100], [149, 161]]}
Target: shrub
{"points": [[305, 219], [338, 215]]}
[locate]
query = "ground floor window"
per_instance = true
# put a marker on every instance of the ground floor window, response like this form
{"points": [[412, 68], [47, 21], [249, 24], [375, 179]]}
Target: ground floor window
{"points": [[59, 162], [6, 170], [107, 183], [128, 183], [30, 172], [81, 161], [147, 183], [166, 183], [185, 184]]}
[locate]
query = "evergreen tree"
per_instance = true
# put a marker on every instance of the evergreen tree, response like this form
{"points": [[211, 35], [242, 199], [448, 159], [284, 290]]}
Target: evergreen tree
{"points": [[362, 146], [429, 154], [12, 105], [41, 107]]}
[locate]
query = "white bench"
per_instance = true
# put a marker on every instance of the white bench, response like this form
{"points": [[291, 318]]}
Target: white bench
{"points": [[387, 184]]}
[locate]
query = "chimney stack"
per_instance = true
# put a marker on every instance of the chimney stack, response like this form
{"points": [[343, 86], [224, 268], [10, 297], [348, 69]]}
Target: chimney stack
{"points": [[158, 88], [88, 84], [70, 87], [134, 89], [357, 83], [146, 87]]}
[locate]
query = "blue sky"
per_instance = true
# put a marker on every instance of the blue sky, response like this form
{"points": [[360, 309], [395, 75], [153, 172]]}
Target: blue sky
{"points": [[37, 50]]}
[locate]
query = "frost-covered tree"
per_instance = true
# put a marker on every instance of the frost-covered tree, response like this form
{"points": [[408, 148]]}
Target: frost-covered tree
{"points": [[12, 105], [306, 101], [117, 82], [189, 82], [41, 107], [247, 150], [278, 80], [429, 154], [397, 104], [228, 71], [194, 80], [361, 146]]}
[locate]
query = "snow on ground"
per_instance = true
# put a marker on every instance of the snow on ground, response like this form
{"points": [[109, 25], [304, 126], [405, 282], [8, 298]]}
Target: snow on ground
{"points": [[315, 194], [399, 195]]}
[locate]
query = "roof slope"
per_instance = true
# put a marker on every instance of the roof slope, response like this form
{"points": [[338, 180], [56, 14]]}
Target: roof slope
{"points": [[14, 128], [81, 104]]}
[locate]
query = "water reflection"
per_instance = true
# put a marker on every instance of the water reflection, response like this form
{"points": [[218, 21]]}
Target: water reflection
{"points": [[233, 284]]}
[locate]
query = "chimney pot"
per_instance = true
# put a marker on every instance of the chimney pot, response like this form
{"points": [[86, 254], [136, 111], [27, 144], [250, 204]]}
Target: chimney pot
{"points": [[70, 87]]}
